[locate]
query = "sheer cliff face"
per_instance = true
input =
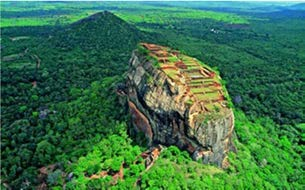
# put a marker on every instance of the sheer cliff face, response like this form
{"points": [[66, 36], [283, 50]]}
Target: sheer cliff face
{"points": [[172, 110]]}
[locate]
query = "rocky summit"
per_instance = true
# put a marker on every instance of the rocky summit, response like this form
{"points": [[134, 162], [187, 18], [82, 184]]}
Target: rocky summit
{"points": [[177, 100]]}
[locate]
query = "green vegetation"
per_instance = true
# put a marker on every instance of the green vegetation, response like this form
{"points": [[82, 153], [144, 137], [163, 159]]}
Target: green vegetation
{"points": [[248, 60], [173, 59], [150, 79], [260, 153], [142, 50], [190, 102], [66, 112], [61, 118], [171, 73], [170, 15], [107, 155], [155, 62], [6, 22], [62, 14], [263, 161]]}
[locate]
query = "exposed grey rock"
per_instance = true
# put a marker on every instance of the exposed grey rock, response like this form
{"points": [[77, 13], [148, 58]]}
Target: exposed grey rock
{"points": [[152, 98]]}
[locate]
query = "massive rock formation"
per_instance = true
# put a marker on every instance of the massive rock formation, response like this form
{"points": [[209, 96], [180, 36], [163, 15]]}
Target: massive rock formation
{"points": [[176, 100]]}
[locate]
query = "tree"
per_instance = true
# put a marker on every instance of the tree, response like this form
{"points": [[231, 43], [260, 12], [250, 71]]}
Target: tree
{"points": [[44, 152]]}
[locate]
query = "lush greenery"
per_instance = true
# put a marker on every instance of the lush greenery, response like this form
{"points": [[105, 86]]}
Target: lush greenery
{"points": [[263, 80], [59, 100], [44, 124], [63, 13], [264, 161]]}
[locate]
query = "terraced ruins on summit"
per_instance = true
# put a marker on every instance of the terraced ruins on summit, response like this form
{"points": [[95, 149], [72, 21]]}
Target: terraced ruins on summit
{"points": [[201, 84]]}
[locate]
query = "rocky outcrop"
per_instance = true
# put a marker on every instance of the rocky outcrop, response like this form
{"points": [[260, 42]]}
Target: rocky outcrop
{"points": [[178, 107]]}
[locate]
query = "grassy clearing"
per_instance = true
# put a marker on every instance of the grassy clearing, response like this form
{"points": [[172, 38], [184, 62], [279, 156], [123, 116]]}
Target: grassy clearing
{"points": [[171, 73], [193, 67], [195, 90], [11, 57], [19, 38], [169, 16], [212, 107], [19, 65], [38, 21], [173, 59], [207, 96]]}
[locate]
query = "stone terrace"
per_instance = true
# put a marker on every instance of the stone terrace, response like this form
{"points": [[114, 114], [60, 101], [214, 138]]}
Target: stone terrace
{"points": [[200, 83]]}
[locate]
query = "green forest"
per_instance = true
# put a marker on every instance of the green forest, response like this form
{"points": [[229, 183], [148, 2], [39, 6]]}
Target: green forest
{"points": [[63, 121]]}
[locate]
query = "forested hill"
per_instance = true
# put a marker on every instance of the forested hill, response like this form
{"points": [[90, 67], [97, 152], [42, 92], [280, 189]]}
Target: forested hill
{"points": [[71, 57], [102, 31], [39, 127]]}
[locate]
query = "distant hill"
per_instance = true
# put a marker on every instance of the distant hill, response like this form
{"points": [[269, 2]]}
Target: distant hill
{"points": [[103, 31], [299, 6]]}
